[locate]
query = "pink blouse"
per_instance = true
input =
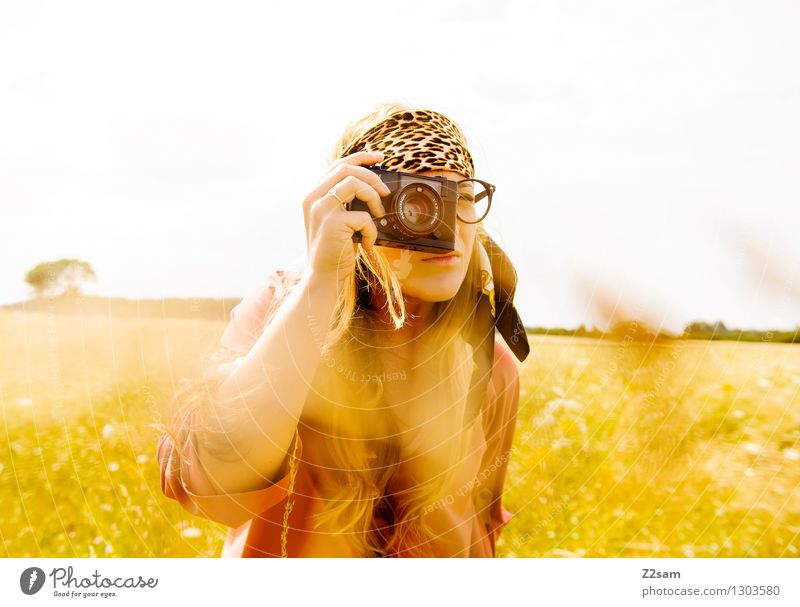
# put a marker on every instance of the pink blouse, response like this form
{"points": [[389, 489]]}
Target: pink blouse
{"points": [[472, 524]]}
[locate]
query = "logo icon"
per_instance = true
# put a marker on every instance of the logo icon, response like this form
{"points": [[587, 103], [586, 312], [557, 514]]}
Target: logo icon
{"points": [[403, 265], [31, 580]]}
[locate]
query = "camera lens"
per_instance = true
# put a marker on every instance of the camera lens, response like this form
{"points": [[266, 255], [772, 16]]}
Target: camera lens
{"points": [[418, 208]]}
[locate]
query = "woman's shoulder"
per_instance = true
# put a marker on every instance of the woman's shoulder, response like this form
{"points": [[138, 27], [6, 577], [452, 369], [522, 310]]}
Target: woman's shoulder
{"points": [[504, 368], [503, 393]]}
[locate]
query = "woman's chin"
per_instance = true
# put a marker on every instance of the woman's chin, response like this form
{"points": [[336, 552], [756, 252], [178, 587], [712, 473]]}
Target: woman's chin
{"points": [[433, 289]]}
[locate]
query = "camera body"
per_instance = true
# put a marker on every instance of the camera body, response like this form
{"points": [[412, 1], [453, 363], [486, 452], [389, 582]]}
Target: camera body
{"points": [[420, 212]]}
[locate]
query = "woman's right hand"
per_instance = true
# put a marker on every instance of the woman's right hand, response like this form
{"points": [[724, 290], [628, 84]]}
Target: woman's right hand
{"points": [[329, 227]]}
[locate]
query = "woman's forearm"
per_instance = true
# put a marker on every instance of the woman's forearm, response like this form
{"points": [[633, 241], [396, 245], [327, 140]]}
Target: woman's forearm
{"points": [[265, 393]]}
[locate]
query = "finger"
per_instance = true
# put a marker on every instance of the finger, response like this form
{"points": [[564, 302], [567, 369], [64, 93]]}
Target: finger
{"points": [[361, 221], [372, 178], [363, 173], [348, 189], [366, 192], [359, 158], [339, 173]]}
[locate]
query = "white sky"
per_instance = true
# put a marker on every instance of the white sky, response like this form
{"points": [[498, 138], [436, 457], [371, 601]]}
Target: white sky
{"points": [[642, 149]]}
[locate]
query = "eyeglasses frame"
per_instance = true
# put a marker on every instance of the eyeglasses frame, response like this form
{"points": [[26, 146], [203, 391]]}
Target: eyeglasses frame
{"points": [[488, 191]]}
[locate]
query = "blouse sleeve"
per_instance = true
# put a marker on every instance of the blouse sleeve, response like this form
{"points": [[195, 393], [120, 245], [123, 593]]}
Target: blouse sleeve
{"points": [[247, 317], [500, 436], [185, 481]]}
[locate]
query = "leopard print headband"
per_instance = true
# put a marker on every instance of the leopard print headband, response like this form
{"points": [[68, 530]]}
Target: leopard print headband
{"points": [[413, 141]]}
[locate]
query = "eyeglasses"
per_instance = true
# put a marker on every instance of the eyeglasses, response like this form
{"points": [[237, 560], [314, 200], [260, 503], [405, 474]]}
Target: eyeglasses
{"points": [[474, 200]]}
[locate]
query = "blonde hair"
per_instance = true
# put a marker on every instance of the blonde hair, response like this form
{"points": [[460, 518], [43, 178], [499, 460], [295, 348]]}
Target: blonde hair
{"points": [[363, 435]]}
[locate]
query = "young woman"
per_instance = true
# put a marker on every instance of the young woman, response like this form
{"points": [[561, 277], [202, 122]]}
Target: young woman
{"points": [[359, 405]]}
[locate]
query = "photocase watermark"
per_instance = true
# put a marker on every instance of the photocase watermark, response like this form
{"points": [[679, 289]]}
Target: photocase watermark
{"points": [[661, 379], [53, 352], [542, 522], [31, 580], [630, 337], [358, 376], [403, 265], [472, 483], [354, 375], [66, 585]]}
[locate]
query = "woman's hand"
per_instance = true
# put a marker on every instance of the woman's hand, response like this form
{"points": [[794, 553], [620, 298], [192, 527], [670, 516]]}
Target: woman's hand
{"points": [[329, 227]]}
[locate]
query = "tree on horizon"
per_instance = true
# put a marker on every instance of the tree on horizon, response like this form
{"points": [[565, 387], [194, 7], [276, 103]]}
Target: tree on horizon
{"points": [[60, 277]]}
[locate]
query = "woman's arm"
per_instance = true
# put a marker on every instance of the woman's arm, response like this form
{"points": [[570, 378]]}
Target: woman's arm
{"points": [[247, 430], [264, 394]]}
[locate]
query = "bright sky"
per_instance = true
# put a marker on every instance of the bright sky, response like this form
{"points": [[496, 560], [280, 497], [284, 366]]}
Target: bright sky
{"points": [[644, 153]]}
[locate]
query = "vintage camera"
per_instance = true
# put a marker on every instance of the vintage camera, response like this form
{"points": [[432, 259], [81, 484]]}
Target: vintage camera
{"points": [[420, 212]]}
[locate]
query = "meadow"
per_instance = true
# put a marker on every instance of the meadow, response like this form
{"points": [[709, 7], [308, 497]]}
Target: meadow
{"points": [[683, 448]]}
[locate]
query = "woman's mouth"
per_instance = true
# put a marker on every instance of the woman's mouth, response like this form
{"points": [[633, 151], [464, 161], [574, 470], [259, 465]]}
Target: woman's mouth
{"points": [[450, 259]]}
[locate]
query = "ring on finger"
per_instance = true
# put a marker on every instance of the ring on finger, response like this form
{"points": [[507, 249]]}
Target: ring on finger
{"points": [[332, 192]]}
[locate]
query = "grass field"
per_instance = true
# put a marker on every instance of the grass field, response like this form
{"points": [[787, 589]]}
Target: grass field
{"points": [[621, 449]]}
